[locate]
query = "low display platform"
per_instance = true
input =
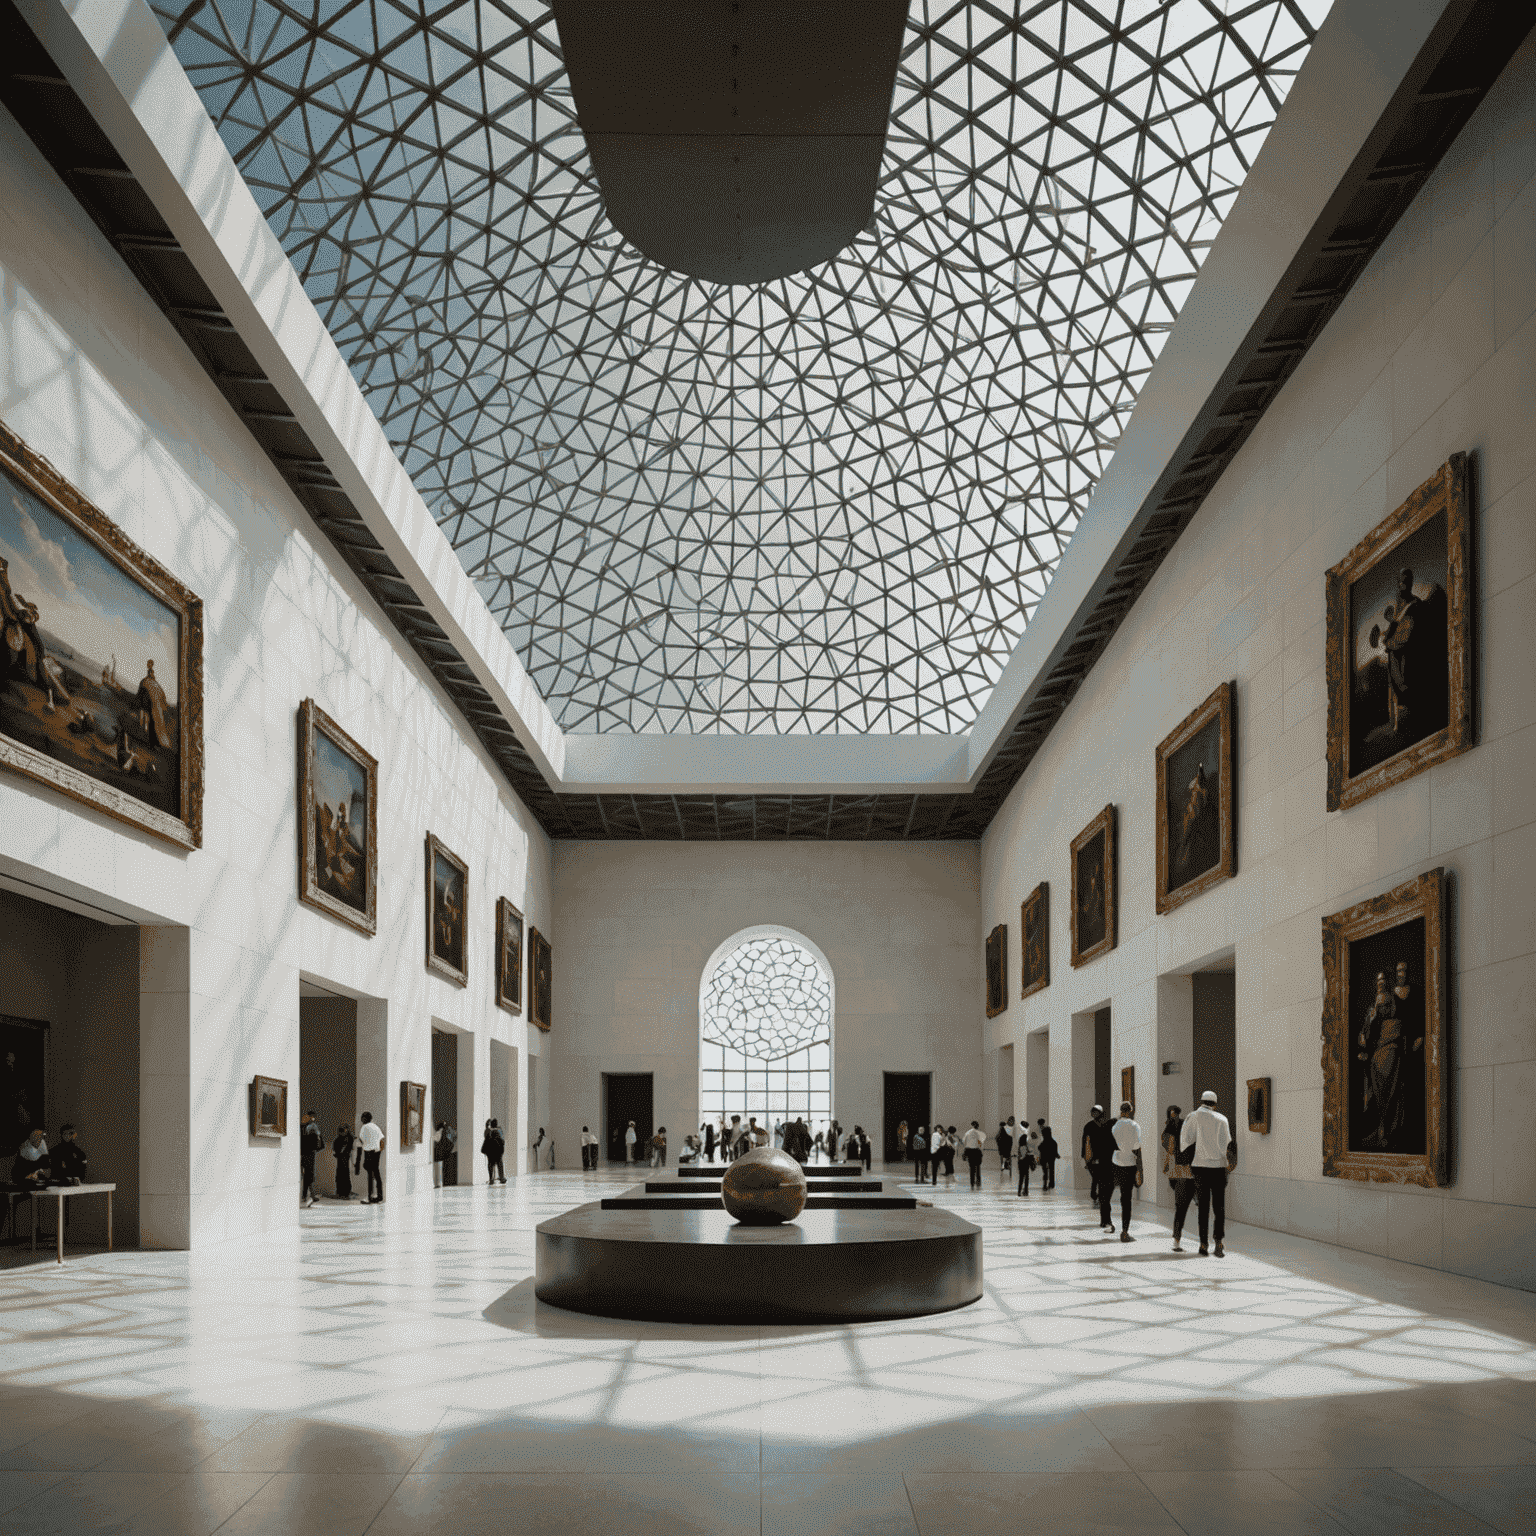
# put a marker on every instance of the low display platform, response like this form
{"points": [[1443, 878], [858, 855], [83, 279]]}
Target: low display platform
{"points": [[811, 1170], [678, 1194], [701, 1266]]}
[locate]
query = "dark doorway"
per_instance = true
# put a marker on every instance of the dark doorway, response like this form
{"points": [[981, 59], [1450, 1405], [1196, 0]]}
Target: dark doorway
{"points": [[328, 1069], [909, 1097], [1215, 1063], [445, 1094], [626, 1096], [1103, 1087]]}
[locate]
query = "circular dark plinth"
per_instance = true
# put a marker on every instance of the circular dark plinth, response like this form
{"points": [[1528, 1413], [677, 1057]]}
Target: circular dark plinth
{"points": [[702, 1267]]}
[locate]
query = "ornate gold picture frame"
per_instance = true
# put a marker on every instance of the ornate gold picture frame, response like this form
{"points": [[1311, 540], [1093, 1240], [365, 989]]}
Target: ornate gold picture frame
{"points": [[1259, 1096], [996, 960], [1095, 898], [1035, 926], [1386, 1047], [447, 913], [413, 1114], [269, 1108], [1197, 801], [338, 821], [541, 980], [509, 956], [1399, 649], [85, 617]]}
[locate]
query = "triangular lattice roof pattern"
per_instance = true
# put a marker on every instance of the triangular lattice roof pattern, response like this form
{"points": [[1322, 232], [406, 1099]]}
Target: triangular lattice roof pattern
{"points": [[826, 503]]}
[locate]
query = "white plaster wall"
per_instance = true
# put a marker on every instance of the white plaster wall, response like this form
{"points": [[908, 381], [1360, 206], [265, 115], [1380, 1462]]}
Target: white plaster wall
{"points": [[93, 377], [1434, 352], [638, 922]]}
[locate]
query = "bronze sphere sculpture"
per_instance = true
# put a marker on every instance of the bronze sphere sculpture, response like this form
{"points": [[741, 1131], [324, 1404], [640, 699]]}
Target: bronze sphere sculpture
{"points": [[763, 1188]]}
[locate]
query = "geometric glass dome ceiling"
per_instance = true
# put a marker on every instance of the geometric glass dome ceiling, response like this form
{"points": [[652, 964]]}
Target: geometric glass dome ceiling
{"points": [[826, 503]]}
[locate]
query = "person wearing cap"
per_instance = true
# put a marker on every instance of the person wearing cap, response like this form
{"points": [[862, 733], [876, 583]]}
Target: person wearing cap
{"points": [[1099, 1153], [1127, 1160], [1207, 1142]]}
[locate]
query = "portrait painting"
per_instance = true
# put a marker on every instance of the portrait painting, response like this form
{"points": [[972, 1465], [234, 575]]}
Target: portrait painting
{"points": [[1399, 612], [509, 956], [447, 903], [101, 658], [541, 980], [997, 970], [1128, 1087], [1035, 924], [413, 1114], [269, 1108], [1093, 889], [338, 821], [1196, 802], [23, 1079], [1385, 1049], [1258, 1105]]}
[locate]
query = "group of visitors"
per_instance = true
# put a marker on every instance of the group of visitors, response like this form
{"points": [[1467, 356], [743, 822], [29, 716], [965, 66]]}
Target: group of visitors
{"points": [[354, 1154], [38, 1166]]}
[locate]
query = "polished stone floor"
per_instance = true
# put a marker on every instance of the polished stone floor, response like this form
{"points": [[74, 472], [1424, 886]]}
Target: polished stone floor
{"points": [[387, 1370]]}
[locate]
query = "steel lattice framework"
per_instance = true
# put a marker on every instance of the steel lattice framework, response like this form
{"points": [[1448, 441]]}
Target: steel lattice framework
{"points": [[825, 503]]}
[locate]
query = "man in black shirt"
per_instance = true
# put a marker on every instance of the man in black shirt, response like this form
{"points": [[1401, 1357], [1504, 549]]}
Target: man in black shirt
{"points": [[69, 1160], [1099, 1155]]}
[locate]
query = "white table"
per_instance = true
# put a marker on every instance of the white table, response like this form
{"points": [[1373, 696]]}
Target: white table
{"points": [[63, 1191]]}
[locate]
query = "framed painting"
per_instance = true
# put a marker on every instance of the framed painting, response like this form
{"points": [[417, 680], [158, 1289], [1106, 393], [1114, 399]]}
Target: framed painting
{"points": [[997, 970], [1035, 924], [1196, 802], [447, 903], [23, 1078], [1094, 896], [338, 821], [1128, 1087], [1386, 1051], [413, 1114], [509, 956], [269, 1108], [541, 980], [101, 658], [1399, 647], [1258, 1105]]}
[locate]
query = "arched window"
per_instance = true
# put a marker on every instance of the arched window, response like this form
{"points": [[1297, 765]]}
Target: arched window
{"points": [[765, 1026]]}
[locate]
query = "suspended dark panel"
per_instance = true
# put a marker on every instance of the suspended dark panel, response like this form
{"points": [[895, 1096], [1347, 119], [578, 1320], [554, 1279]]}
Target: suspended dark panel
{"points": [[735, 140]]}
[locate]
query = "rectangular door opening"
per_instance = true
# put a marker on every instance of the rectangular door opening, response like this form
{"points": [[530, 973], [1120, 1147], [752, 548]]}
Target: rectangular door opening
{"points": [[909, 1100]]}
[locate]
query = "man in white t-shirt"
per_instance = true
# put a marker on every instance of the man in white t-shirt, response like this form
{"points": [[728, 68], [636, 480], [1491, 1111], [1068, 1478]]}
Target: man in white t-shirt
{"points": [[589, 1145], [371, 1139], [1127, 1165], [973, 1141], [630, 1138], [1208, 1132]]}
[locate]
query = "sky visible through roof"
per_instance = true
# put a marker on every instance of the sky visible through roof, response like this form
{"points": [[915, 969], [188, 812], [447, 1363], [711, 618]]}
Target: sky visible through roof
{"points": [[827, 503]]}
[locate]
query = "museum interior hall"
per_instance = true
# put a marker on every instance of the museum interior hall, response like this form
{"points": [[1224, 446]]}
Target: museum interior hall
{"points": [[767, 766]]}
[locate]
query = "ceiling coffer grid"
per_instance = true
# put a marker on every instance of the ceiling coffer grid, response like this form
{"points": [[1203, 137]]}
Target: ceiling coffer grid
{"points": [[824, 503]]}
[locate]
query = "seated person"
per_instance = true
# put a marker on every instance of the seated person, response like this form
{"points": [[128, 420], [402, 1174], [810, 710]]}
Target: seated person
{"points": [[69, 1161], [32, 1166]]}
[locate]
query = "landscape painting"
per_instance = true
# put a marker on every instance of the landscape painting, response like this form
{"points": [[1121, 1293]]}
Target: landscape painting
{"points": [[338, 820], [509, 953], [100, 657], [1385, 1057], [1035, 921], [1196, 800], [447, 903], [997, 970], [1399, 642], [1093, 889]]}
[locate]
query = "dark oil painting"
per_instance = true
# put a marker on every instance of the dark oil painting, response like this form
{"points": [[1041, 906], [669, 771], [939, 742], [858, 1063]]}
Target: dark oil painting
{"points": [[91, 661], [449, 880], [1035, 919], [1193, 805], [1400, 662], [509, 952], [997, 970], [341, 824], [1387, 1078], [541, 980], [1092, 908], [23, 1079]]}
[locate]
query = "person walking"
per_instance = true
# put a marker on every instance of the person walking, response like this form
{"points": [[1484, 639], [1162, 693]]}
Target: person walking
{"points": [[971, 1144], [630, 1138], [1207, 1135], [371, 1139], [341, 1150], [951, 1146], [311, 1141], [1024, 1154], [1127, 1162], [1181, 1177], [1049, 1152], [493, 1148], [1005, 1148], [659, 1148], [1099, 1155], [918, 1143], [440, 1152], [589, 1146], [708, 1132]]}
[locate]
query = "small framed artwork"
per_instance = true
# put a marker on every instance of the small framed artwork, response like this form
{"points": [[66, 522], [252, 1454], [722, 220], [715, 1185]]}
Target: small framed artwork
{"points": [[1258, 1105], [997, 970], [413, 1114], [541, 980], [1386, 1056], [447, 902], [1035, 924], [1399, 647], [269, 1108], [509, 956], [338, 821], [1196, 802], [101, 658], [1093, 889], [1128, 1087]]}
